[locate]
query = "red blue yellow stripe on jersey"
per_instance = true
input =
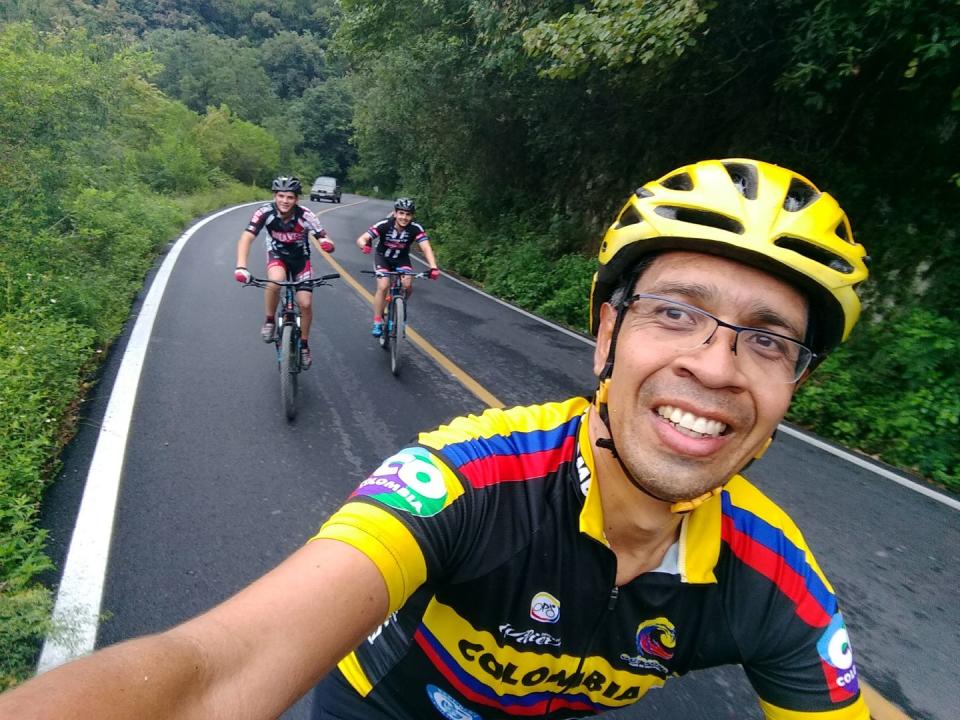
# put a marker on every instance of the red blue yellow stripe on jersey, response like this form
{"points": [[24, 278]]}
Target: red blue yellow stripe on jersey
{"points": [[515, 445], [762, 536]]}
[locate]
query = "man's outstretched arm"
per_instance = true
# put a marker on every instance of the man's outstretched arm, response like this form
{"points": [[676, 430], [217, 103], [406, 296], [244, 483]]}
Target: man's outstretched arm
{"points": [[250, 657]]}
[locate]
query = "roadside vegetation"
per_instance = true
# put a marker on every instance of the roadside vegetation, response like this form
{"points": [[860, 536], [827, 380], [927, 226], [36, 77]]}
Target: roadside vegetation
{"points": [[519, 131], [99, 172]]}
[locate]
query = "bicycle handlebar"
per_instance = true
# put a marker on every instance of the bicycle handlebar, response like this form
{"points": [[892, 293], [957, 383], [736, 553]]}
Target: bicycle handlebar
{"points": [[385, 273], [312, 282]]}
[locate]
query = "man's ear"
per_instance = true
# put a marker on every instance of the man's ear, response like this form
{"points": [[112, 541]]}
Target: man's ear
{"points": [[608, 318]]}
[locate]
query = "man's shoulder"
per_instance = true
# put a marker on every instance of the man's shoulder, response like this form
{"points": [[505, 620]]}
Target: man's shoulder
{"points": [[763, 537], [742, 497], [505, 432], [262, 210], [307, 214]]}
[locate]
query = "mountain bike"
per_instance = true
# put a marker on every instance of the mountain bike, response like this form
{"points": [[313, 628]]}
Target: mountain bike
{"points": [[394, 333], [287, 334]]}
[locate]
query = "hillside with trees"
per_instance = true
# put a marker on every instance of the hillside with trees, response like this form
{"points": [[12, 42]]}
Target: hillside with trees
{"points": [[519, 127]]}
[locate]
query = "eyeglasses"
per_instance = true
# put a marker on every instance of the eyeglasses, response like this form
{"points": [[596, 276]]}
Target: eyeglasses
{"points": [[763, 354]]}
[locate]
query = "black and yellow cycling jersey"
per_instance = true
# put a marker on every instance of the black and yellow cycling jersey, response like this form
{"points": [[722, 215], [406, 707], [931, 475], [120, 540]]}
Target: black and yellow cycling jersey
{"points": [[503, 602]]}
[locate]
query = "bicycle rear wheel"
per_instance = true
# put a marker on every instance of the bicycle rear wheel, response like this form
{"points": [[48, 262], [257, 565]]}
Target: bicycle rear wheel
{"points": [[399, 316], [289, 369]]}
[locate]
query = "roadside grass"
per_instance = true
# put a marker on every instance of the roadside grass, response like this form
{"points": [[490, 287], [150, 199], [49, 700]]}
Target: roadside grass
{"points": [[63, 300]]}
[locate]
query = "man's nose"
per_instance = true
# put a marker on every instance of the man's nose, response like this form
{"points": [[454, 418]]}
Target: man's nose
{"points": [[715, 362]]}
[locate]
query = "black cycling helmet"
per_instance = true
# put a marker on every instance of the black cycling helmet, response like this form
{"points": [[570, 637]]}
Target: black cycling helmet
{"points": [[286, 184], [405, 203]]}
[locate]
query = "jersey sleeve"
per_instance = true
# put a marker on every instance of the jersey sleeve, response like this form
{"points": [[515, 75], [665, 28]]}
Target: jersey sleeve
{"points": [[419, 234], [312, 223], [377, 230], [795, 647], [258, 219], [408, 517]]}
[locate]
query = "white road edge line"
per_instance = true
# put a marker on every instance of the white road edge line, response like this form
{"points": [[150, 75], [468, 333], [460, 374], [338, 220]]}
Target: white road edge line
{"points": [[77, 607], [843, 454], [873, 467]]}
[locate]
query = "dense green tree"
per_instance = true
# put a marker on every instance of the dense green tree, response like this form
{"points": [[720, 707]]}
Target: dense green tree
{"points": [[324, 115], [294, 62], [203, 70]]}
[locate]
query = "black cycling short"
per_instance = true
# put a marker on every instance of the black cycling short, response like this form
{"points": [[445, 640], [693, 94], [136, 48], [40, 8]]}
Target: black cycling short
{"points": [[297, 266], [334, 699], [401, 262]]}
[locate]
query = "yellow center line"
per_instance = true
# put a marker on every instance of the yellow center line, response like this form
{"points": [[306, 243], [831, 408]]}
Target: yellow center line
{"points": [[485, 396], [880, 707]]}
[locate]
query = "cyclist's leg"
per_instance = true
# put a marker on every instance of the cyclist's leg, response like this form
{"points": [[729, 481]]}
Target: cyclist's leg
{"points": [[304, 297], [404, 264], [276, 270], [380, 264]]}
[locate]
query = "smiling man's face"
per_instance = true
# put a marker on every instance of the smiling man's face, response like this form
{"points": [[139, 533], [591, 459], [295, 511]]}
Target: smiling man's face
{"points": [[684, 421]]}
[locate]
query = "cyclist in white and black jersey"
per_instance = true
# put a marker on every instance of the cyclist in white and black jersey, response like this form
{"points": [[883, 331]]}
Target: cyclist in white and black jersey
{"points": [[289, 227], [393, 237]]}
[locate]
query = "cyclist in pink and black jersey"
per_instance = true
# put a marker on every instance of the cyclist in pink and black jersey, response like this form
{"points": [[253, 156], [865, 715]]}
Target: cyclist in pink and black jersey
{"points": [[392, 238], [289, 228]]}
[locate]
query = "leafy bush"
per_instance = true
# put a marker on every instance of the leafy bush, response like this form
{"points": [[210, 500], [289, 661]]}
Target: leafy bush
{"points": [[893, 390], [86, 143]]}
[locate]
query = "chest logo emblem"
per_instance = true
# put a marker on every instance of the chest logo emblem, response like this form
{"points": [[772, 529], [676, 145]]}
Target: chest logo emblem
{"points": [[656, 642], [545, 608]]}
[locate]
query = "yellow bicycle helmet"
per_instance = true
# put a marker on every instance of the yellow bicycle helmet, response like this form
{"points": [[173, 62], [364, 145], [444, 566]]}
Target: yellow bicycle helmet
{"points": [[751, 211]]}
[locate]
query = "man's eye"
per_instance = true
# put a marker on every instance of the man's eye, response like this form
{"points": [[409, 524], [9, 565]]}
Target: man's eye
{"points": [[769, 345], [674, 314]]}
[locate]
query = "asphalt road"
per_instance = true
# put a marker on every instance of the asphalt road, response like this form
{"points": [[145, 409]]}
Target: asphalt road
{"points": [[218, 487]]}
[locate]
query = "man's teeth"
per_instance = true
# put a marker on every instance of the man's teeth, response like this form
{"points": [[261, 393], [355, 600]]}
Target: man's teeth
{"points": [[689, 421]]}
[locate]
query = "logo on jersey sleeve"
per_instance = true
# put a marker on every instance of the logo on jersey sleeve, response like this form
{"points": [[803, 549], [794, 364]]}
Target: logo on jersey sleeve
{"points": [[448, 706], [412, 481], [545, 608], [656, 642], [836, 658]]}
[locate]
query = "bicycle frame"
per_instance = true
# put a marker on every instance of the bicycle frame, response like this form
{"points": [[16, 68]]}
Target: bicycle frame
{"points": [[396, 313], [287, 333]]}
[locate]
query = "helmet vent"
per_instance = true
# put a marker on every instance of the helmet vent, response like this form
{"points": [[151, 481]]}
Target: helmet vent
{"points": [[815, 253], [642, 192], [799, 195], [680, 181], [629, 216], [841, 231], [744, 177], [700, 217]]}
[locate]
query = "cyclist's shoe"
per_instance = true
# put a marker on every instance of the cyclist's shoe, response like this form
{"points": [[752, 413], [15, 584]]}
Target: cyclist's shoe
{"points": [[377, 329], [390, 326], [306, 360], [268, 332]]}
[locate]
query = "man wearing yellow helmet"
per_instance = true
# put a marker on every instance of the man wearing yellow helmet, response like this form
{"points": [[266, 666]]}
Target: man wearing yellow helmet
{"points": [[560, 560]]}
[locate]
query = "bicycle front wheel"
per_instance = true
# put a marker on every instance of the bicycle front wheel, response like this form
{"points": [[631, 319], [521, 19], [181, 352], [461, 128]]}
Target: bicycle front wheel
{"points": [[289, 369], [399, 316]]}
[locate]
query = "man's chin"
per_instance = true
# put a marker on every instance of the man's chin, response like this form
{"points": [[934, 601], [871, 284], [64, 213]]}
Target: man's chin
{"points": [[674, 485]]}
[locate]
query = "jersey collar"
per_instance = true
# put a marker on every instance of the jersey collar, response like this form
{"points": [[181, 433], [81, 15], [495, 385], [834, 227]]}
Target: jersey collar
{"points": [[699, 545]]}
